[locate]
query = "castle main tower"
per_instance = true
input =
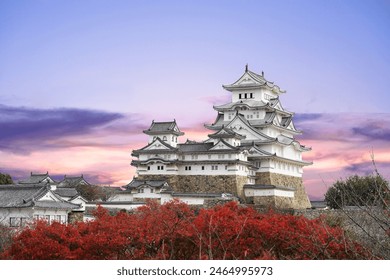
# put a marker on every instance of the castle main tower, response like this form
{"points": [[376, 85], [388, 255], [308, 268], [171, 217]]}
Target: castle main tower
{"points": [[256, 112], [251, 152]]}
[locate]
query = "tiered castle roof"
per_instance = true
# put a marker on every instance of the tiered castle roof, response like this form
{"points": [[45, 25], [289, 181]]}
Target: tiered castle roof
{"points": [[251, 80], [157, 128]]}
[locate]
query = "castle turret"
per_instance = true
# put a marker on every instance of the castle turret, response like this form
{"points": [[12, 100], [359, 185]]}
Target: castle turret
{"points": [[166, 131]]}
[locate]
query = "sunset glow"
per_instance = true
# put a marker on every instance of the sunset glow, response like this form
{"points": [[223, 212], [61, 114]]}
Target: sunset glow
{"points": [[80, 81]]}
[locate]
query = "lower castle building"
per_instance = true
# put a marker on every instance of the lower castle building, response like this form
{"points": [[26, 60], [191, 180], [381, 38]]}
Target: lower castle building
{"points": [[251, 151]]}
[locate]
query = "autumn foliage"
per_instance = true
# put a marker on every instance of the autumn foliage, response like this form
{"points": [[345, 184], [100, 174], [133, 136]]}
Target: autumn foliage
{"points": [[175, 231]]}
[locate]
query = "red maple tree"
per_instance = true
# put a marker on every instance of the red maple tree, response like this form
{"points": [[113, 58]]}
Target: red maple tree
{"points": [[175, 231]]}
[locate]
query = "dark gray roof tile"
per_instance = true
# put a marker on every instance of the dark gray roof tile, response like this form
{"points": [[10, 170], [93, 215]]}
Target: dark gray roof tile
{"points": [[198, 147], [163, 127], [66, 192]]}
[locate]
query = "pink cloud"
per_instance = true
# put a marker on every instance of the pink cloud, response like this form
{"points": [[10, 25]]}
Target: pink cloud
{"points": [[103, 154]]}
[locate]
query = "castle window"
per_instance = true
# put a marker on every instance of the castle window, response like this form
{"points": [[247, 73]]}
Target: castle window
{"points": [[187, 167], [239, 96], [173, 138], [251, 95], [246, 95], [14, 222], [148, 167], [203, 167]]}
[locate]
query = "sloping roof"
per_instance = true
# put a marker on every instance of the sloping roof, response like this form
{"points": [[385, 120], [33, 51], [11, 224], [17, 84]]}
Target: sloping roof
{"points": [[135, 183], [163, 127], [66, 192], [225, 144], [22, 196], [198, 147], [249, 126], [72, 181], [225, 132], [55, 204], [268, 187], [145, 149], [255, 150], [285, 121], [253, 104], [258, 81], [36, 178], [199, 195]]}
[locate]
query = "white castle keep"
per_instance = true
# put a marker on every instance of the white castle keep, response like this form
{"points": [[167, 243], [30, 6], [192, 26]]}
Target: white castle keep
{"points": [[251, 151]]}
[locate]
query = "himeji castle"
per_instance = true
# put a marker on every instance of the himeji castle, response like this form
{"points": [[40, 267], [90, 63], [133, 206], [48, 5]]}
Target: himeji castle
{"points": [[251, 151]]}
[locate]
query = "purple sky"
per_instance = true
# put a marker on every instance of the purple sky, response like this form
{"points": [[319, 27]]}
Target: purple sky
{"points": [[80, 80]]}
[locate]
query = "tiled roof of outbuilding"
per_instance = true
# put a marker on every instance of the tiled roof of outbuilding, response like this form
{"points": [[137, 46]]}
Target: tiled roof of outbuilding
{"points": [[55, 204], [73, 181], [36, 178], [66, 192], [135, 183], [22, 196]]}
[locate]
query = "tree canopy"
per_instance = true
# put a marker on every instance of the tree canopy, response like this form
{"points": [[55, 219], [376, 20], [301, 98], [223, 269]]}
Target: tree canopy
{"points": [[5, 179], [371, 190], [176, 231], [94, 193]]}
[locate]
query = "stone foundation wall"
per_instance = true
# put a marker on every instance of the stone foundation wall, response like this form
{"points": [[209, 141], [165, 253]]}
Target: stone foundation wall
{"points": [[234, 185], [301, 200], [274, 202], [203, 183]]}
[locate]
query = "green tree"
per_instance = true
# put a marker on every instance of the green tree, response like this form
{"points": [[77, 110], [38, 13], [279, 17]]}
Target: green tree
{"points": [[5, 179], [359, 191], [94, 193]]}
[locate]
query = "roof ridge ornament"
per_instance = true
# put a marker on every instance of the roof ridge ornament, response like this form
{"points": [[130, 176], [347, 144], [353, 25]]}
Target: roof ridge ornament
{"points": [[246, 67]]}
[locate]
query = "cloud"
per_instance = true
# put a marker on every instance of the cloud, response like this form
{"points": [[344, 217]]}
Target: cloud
{"points": [[342, 145], [26, 129], [374, 130], [98, 144], [352, 127], [214, 100], [299, 118]]}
